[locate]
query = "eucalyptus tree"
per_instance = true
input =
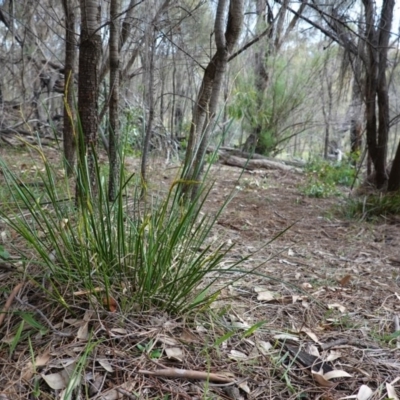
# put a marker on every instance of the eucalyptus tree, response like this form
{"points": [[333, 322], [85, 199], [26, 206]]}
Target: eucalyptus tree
{"points": [[114, 128], [88, 84], [69, 139], [336, 22], [227, 28]]}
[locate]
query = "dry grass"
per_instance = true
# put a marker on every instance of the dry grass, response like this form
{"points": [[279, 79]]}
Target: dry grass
{"points": [[327, 287]]}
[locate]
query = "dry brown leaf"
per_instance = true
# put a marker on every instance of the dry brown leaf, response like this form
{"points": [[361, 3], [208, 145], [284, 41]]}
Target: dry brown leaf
{"points": [[345, 280], [324, 379], [118, 331], [188, 336], [110, 303], [167, 340], [59, 380], [40, 361], [321, 380], [310, 333], [105, 364]]}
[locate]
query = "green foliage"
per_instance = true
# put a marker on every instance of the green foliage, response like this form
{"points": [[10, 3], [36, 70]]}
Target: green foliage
{"points": [[268, 113], [156, 253], [323, 177], [4, 254], [133, 126], [373, 206]]}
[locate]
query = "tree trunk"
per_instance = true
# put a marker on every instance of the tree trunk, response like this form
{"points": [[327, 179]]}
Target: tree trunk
{"points": [[226, 36], [69, 107], [254, 142], [376, 92], [356, 106], [150, 102], [114, 132], [89, 56], [394, 176]]}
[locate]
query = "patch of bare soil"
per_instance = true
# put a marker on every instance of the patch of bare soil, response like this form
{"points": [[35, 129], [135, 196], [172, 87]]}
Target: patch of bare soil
{"points": [[315, 320]]}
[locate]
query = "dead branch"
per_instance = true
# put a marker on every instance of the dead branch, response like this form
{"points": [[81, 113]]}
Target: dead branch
{"points": [[257, 164], [9, 301], [188, 374]]}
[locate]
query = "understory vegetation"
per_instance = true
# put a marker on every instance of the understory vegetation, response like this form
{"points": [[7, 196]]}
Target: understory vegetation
{"points": [[155, 249], [325, 177]]}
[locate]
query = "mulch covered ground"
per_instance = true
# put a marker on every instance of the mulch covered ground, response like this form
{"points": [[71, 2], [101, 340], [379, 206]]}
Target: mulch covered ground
{"points": [[316, 319]]}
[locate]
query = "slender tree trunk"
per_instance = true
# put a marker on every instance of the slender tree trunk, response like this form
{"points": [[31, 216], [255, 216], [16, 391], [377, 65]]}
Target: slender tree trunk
{"points": [[114, 131], [89, 56], [326, 104], [356, 106], [254, 142], [150, 102], [227, 31], [69, 107]]}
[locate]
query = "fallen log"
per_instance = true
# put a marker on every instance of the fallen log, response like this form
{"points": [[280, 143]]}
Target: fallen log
{"points": [[230, 151], [257, 164]]}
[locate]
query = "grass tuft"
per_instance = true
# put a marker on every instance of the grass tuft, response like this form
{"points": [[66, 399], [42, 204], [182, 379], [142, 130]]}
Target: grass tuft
{"points": [[141, 253], [372, 207]]}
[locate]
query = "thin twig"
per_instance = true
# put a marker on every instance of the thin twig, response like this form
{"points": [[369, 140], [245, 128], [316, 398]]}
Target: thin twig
{"points": [[9, 301], [52, 327]]}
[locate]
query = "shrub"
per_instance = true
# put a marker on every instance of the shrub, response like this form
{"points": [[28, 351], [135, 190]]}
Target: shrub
{"points": [[323, 177]]}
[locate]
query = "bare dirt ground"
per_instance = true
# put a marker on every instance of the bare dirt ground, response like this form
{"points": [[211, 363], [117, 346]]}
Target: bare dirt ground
{"points": [[324, 299]]}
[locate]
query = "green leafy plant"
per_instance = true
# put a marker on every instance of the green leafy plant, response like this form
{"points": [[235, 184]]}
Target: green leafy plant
{"points": [[324, 177], [268, 112]]}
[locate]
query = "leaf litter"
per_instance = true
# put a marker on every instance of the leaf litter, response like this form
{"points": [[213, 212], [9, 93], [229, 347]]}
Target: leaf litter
{"points": [[329, 296]]}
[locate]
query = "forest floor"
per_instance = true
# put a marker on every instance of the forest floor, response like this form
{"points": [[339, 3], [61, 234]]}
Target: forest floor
{"points": [[315, 320]]}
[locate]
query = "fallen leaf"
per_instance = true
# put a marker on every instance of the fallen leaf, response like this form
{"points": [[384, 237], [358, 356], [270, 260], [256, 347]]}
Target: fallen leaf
{"points": [[106, 365], [264, 347], [338, 306], [310, 333], [174, 352], [188, 337], [306, 285], [333, 355], [321, 380], [266, 296], [364, 393], [167, 340], [286, 336], [40, 361], [83, 331], [59, 380], [337, 373], [244, 387], [110, 303], [391, 392], [345, 280], [237, 355]]}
